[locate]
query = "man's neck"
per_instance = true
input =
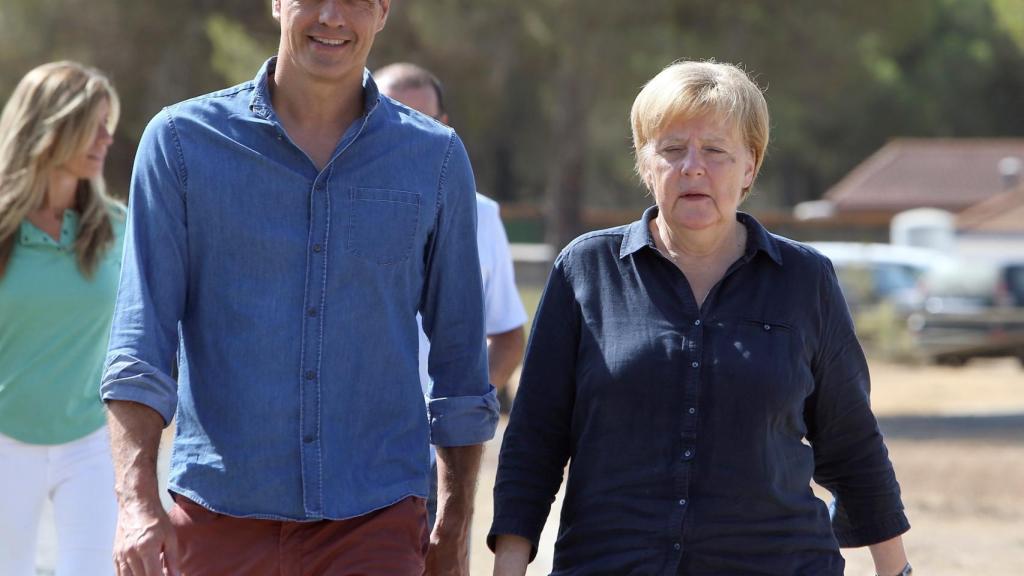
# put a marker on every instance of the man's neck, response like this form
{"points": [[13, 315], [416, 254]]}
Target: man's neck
{"points": [[315, 113], [310, 103]]}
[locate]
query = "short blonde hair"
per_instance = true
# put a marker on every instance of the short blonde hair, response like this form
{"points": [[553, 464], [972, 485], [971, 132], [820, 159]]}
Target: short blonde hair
{"points": [[687, 89], [49, 119]]}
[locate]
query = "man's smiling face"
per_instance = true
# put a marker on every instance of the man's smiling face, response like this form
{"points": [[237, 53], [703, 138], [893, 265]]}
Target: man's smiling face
{"points": [[329, 40]]}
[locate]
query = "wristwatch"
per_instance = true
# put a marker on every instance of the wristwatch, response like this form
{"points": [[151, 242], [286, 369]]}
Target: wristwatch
{"points": [[907, 570]]}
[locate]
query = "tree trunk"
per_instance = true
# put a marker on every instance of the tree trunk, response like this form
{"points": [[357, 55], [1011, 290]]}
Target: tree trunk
{"points": [[566, 178]]}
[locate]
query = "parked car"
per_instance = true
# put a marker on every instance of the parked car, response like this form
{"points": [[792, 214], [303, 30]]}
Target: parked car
{"points": [[870, 273], [970, 310], [1013, 282]]}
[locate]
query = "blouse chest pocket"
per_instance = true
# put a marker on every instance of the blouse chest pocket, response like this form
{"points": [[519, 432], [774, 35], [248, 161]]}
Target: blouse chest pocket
{"points": [[765, 359], [382, 224]]}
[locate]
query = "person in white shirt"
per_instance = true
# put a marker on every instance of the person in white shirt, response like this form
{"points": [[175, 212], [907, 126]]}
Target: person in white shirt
{"points": [[504, 314]]}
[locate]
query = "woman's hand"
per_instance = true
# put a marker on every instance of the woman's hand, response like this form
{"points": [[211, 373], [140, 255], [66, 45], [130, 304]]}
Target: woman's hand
{"points": [[511, 555]]}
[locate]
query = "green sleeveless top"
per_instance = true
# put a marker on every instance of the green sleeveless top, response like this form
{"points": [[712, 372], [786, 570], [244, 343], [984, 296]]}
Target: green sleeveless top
{"points": [[54, 326]]}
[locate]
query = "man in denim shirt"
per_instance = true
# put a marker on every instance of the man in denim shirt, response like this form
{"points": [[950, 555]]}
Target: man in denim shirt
{"points": [[282, 236]]}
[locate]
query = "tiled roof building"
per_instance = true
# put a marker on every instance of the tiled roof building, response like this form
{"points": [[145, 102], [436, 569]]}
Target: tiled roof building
{"points": [[951, 174]]}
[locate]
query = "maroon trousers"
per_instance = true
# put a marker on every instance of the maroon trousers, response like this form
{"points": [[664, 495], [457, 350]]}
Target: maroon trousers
{"points": [[391, 541]]}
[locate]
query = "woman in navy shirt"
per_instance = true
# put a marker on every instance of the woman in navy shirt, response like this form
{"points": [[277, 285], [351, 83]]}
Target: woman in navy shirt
{"points": [[696, 372]]}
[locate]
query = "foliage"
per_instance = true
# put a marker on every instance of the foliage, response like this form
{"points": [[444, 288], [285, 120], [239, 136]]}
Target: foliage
{"points": [[1009, 14], [882, 331], [540, 90], [236, 54]]}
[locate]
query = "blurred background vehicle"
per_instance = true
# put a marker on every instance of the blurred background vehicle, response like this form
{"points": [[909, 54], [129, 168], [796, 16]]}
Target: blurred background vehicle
{"points": [[874, 274], [970, 309]]}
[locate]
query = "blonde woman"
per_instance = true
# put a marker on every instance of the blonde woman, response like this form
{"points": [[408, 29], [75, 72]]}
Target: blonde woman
{"points": [[695, 371], [60, 250]]}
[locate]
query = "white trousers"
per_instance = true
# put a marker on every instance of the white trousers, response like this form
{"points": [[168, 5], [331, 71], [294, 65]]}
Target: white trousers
{"points": [[79, 479]]}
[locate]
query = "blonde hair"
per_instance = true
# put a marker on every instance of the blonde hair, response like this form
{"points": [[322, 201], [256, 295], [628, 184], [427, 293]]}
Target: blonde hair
{"points": [[688, 89], [49, 119]]}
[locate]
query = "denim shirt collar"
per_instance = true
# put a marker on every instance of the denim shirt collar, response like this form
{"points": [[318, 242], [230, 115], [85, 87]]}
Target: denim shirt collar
{"points": [[638, 235], [261, 106]]}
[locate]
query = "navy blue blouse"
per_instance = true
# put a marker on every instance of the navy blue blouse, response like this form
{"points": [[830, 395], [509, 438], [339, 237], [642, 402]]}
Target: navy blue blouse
{"points": [[692, 434]]}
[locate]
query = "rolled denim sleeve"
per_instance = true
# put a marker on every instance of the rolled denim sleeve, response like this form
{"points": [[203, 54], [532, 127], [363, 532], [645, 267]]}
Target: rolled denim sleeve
{"points": [[154, 275], [851, 459], [462, 405]]}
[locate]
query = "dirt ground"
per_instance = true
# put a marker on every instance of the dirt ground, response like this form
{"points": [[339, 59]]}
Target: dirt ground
{"points": [[956, 437]]}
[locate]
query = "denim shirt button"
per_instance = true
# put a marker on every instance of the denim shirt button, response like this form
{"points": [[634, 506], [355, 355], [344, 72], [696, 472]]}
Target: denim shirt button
{"points": [[696, 322], [310, 375], [767, 326], [695, 364], [692, 410], [311, 312], [677, 546], [317, 248], [308, 438]]}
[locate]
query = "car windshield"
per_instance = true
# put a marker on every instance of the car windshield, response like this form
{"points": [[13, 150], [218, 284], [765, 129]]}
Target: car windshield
{"points": [[895, 278], [1015, 282]]}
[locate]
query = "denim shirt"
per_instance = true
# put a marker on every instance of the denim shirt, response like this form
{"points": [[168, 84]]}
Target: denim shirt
{"points": [[692, 434], [290, 295]]}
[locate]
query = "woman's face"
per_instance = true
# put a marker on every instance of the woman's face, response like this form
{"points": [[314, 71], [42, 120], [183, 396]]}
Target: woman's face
{"points": [[88, 163], [698, 169]]}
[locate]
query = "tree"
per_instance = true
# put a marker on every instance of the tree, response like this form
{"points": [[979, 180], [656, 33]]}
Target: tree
{"points": [[540, 90]]}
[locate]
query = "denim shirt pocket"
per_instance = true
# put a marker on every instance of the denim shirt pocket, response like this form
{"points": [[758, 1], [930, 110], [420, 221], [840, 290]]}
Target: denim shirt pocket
{"points": [[382, 224]]}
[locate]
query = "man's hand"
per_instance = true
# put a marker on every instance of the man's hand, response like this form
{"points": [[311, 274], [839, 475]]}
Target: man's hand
{"points": [[145, 544], [448, 553], [144, 532], [457, 468]]}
